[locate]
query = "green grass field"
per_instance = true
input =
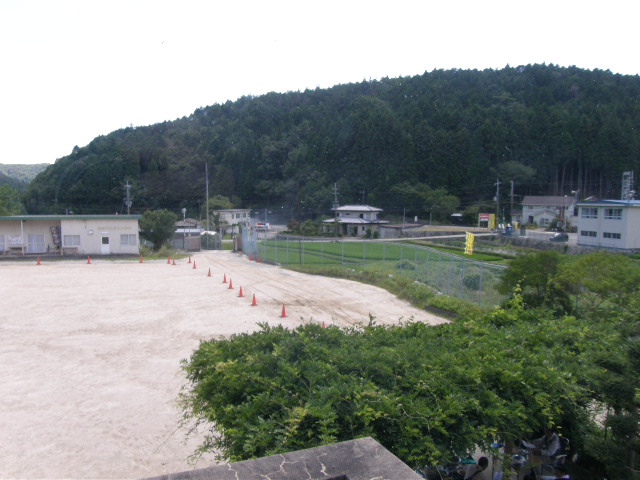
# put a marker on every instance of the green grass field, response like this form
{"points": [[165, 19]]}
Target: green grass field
{"points": [[448, 273]]}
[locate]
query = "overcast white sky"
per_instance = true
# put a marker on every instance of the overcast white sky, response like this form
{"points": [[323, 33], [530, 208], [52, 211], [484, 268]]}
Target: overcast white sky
{"points": [[71, 70]]}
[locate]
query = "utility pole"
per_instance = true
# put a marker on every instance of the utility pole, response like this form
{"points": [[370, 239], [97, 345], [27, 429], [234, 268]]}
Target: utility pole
{"points": [[127, 188], [335, 209], [497, 184], [511, 209], [206, 176], [404, 213]]}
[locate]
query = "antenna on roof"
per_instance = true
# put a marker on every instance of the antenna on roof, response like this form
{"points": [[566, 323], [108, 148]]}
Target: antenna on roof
{"points": [[627, 186]]}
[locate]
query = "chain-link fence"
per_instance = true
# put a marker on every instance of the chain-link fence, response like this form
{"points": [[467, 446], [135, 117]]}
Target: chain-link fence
{"points": [[453, 275]]}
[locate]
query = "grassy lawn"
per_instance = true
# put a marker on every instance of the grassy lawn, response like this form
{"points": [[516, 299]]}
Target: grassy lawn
{"points": [[442, 272]]}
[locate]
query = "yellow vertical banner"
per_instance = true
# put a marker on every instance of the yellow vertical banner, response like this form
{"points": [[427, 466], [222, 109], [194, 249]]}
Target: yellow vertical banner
{"points": [[468, 248]]}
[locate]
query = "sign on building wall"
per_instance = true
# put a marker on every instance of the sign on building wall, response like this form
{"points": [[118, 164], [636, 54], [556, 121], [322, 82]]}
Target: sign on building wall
{"points": [[488, 218]]}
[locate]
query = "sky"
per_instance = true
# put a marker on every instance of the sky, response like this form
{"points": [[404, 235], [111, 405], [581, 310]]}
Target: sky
{"points": [[71, 70]]}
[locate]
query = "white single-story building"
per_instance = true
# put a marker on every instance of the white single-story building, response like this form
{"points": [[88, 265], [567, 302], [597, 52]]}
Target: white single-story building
{"points": [[355, 220], [609, 224], [69, 234]]}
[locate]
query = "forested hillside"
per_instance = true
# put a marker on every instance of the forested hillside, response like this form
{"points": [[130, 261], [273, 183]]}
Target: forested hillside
{"points": [[388, 143], [18, 176]]}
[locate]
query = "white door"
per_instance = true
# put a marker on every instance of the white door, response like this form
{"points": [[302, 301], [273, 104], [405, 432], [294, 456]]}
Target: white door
{"points": [[35, 243], [104, 248]]}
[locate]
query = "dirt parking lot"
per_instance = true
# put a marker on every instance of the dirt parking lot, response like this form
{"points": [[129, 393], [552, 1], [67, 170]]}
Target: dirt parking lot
{"points": [[90, 353]]}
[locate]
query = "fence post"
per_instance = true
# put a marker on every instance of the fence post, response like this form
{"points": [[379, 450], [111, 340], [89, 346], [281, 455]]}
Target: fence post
{"points": [[426, 268], [364, 252], [342, 257], [481, 300]]}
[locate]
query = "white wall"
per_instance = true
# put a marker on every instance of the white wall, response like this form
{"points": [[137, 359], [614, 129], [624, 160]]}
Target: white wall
{"points": [[628, 227], [91, 232]]}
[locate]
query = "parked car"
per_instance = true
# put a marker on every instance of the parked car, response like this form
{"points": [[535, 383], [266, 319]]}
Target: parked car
{"points": [[559, 237]]}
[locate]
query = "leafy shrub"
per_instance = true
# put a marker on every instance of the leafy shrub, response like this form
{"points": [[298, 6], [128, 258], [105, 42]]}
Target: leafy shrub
{"points": [[405, 265], [473, 281]]}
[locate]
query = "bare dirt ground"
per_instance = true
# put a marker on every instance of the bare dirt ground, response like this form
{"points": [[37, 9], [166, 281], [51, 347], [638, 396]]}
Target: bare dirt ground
{"points": [[90, 353]]}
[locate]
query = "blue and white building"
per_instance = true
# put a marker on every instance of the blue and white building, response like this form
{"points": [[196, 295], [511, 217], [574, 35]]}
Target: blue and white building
{"points": [[613, 224]]}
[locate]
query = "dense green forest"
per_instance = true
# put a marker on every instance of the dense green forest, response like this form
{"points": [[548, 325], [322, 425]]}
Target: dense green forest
{"points": [[547, 129], [17, 175]]}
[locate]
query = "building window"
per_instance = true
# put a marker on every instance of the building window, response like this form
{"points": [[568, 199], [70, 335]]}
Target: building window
{"points": [[613, 213], [128, 239], [2, 244], [614, 236], [71, 240], [586, 233], [589, 212]]}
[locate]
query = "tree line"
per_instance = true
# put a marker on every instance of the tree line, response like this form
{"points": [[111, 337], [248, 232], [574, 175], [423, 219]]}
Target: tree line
{"points": [[389, 143]]}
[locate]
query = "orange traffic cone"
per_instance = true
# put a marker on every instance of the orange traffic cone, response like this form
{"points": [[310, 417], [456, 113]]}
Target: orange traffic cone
{"points": [[88, 260], [284, 312], [230, 284], [323, 325], [224, 280], [258, 260], [194, 264], [254, 303], [174, 261], [38, 260], [189, 259], [169, 260], [140, 258], [251, 256], [209, 274], [241, 294]]}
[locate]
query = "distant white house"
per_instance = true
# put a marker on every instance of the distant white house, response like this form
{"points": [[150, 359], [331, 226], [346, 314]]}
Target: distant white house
{"points": [[355, 220], [611, 224], [543, 210], [69, 234], [235, 216]]}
